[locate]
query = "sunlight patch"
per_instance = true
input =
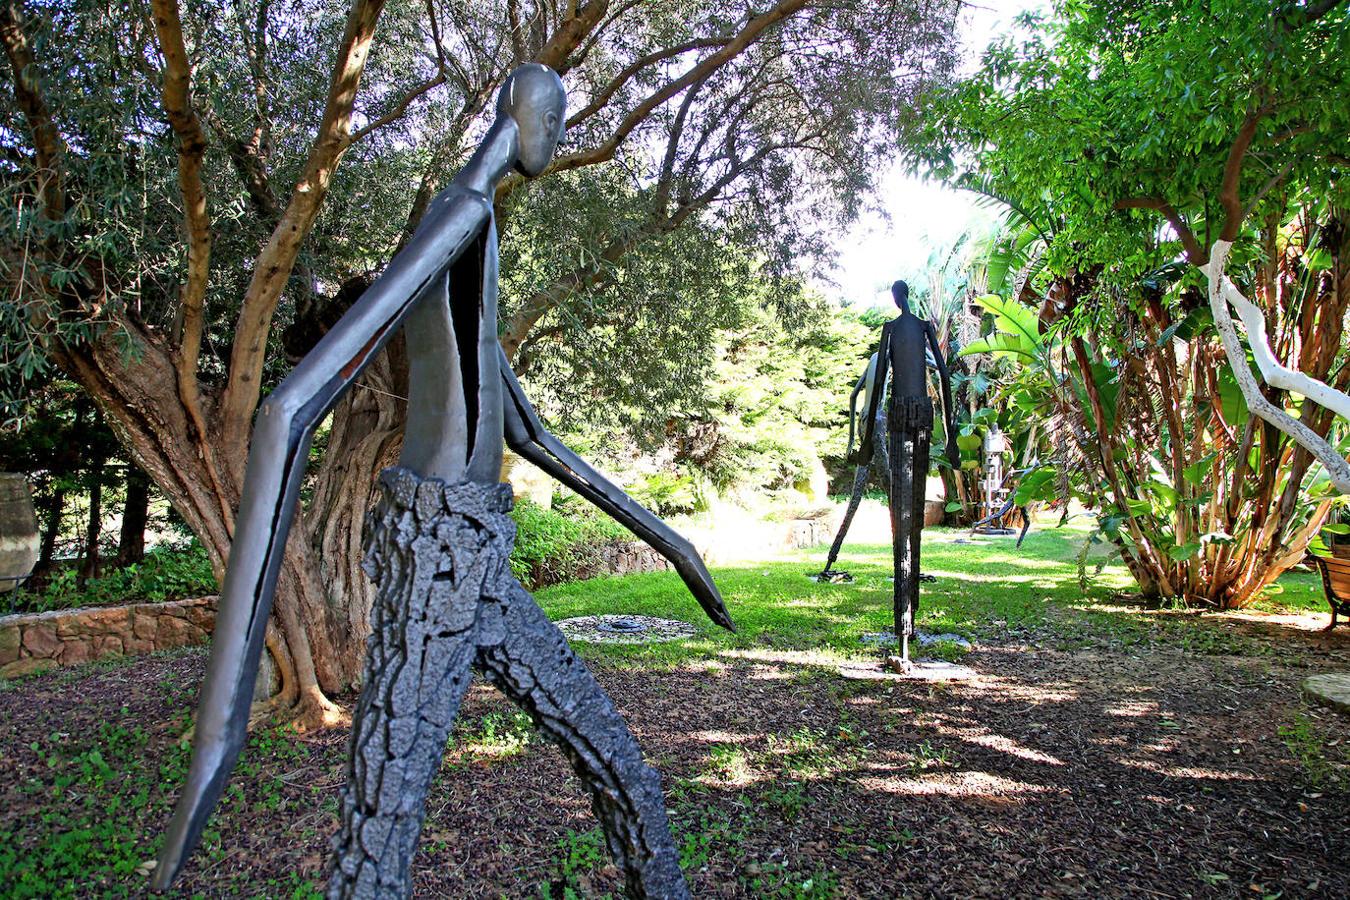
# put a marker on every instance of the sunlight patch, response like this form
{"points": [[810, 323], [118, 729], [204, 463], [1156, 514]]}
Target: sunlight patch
{"points": [[1132, 709], [1199, 773], [1004, 744], [964, 784]]}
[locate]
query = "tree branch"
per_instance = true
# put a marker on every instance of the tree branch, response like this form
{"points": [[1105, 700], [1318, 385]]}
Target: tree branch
{"points": [[176, 95], [48, 145], [1194, 252], [248, 163], [541, 302], [1270, 185], [748, 34], [1229, 197], [273, 266], [557, 52], [618, 81], [1221, 293], [400, 108]]}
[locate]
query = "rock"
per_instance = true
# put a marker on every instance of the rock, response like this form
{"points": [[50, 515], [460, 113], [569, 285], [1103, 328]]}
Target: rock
{"points": [[75, 636], [899, 665], [108, 645], [29, 666], [10, 638], [41, 641], [76, 651], [601, 629], [201, 613], [135, 646], [113, 620], [144, 626], [1331, 689], [919, 670], [172, 632]]}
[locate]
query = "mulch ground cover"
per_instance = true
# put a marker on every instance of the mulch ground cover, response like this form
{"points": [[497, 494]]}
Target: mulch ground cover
{"points": [[1144, 773]]}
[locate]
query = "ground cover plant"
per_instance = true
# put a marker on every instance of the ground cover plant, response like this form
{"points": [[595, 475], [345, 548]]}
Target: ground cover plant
{"points": [[167, 572], [1108, 749]]}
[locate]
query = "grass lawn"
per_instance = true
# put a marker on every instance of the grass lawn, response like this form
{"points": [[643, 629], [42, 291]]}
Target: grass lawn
{"points": [[1104, 750], [987, 589]]}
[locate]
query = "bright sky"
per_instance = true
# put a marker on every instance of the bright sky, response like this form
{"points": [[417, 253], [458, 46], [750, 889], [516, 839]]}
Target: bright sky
{"points": [[916, 215]]}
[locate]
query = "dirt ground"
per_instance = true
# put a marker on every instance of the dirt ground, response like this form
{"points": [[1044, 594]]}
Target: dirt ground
{"points": [[1102, 774]]}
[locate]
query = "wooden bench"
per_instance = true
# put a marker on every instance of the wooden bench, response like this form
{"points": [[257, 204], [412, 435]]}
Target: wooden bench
{"points": [[1336, 583]]}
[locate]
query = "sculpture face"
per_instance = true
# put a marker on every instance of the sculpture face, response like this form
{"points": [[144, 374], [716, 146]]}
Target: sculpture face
{"points": [[535, 99]]}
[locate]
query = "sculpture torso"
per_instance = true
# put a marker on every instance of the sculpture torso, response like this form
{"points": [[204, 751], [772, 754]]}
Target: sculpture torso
{"points": [[454, 429], [906, 344]]}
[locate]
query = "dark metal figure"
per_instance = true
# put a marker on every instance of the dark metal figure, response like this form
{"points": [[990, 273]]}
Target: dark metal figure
{"points": [[438, 547], [905, 344], [865, 385]]}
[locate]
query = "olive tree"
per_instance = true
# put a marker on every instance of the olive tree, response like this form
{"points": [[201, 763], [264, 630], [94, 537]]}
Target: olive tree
{"points": [[194, 189]]}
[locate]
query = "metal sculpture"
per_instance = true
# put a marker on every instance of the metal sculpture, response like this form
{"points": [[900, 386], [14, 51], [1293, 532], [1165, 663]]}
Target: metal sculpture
{"points": [[903, 351], [438, 548], [998, 521], [865, 385]]}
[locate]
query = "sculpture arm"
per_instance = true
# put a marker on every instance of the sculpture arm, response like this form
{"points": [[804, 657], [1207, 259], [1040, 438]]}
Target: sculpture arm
{"points": [[278, 450], [945, 383], [526, 435], [853, 408], [867, 428], [1221, 293]]}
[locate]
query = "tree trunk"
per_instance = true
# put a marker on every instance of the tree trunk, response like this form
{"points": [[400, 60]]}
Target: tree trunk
{"points": [[365, 437], [311, 643], [94, 529], [52, 510], [135, 514]]}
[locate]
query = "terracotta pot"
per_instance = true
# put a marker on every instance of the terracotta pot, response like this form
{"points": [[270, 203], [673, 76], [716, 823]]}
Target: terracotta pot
{"points": [[933, 512]]}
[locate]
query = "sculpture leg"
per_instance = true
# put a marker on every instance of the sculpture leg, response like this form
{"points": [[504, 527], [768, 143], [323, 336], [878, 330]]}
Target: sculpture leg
{"points": [[923, 437], [881, 460], [434, 555], [859, 484], [860, 478], [536, 668], [909, 439]]}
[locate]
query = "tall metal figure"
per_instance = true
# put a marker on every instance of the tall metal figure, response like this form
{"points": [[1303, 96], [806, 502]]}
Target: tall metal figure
{"points": [[865, 385], [905, 344], [438, 548]]}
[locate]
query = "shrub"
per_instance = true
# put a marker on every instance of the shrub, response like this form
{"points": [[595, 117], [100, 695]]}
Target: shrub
{"points": [[168, 572], [557, 545]]}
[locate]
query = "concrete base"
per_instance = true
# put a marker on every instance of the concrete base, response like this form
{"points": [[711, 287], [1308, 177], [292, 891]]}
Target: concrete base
{"points": [[831, 577], [921, 639], [601, 630], [920, 670], [1332, 689]]}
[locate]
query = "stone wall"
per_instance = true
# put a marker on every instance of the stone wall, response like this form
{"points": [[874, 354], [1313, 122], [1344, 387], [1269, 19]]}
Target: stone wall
{"points": [[32, 642], [618, 558], [801, 533]]}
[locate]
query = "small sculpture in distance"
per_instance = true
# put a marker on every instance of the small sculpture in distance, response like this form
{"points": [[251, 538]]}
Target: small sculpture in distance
{"points": [[906, 342], [438, 548], [866, 384]]}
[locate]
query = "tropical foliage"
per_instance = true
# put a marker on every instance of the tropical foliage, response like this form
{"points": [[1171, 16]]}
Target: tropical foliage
{"points": [[1125, 139]]}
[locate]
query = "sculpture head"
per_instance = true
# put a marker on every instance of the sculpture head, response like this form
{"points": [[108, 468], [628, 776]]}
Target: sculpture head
{"points": [[900, 291], [534, 97]]}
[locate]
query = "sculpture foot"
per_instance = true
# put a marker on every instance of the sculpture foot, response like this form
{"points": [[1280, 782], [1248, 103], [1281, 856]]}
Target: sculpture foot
{"points": [[831, 576]]}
